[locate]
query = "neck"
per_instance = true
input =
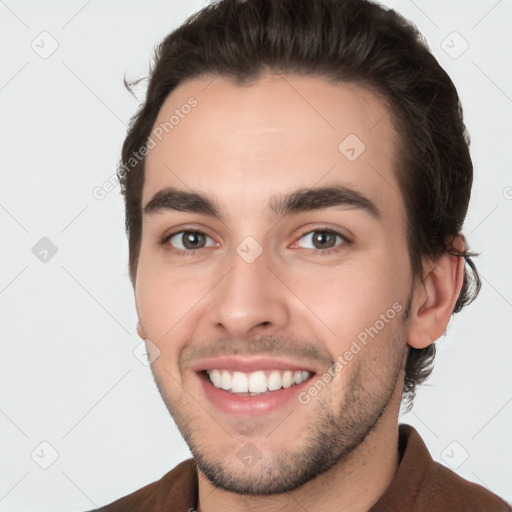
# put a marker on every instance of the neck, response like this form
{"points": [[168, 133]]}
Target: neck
{"points": [[354, 484]]}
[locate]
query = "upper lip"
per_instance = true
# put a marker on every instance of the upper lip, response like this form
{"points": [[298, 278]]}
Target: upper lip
{"points": [[244, 364]]}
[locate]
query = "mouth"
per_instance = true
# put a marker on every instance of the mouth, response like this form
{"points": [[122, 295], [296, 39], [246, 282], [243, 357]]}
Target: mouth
{"points": [[255, 383], [252, 387]]}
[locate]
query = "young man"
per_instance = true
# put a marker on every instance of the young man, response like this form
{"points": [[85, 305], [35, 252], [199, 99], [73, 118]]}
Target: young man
{"points": [[296, 184]]}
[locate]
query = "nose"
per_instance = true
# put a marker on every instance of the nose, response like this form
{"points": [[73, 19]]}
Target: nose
{"points": [[250, 299]]}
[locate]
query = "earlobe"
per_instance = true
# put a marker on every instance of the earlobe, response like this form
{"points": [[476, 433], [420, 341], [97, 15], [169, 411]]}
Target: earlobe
{"points": [[435, 300], [140, 331], [420, 325]]}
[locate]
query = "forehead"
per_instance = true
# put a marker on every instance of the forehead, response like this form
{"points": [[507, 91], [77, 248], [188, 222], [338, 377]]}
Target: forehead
{"points": [[242, 144]]}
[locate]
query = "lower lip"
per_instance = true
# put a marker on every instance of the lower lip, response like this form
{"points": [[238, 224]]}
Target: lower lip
{"points": [[247, 405]]}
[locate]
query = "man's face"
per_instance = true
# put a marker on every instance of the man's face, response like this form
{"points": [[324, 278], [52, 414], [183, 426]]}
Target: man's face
{"points": [[272, 298]]}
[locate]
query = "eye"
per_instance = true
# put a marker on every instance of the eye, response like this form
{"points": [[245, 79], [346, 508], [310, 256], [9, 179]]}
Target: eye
{"points": [[324, 240], [187, 242]]}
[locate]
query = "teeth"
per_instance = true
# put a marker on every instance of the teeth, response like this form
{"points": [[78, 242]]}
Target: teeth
{"points": [[240, 383], [299, 377], [274, 381], [216, 378], [287, 379], [256, 382], [226, 381]]}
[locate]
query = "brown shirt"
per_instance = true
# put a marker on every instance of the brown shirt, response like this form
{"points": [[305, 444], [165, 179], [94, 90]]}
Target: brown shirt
{"points": [[420, 484]]}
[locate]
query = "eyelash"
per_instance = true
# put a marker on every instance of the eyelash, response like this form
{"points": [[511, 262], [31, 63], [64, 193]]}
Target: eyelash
{"points": [[193, 252]]}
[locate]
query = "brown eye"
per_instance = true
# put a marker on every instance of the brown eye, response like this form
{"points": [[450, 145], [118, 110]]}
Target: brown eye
{"points": [[324, 241], [192, 240], [188, 241]]}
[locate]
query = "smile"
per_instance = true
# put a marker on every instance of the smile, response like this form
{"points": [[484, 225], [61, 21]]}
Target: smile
{"points": [[255, 393], [257, 382]]}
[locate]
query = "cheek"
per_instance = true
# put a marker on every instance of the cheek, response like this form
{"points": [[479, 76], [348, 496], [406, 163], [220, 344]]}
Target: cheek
{"points": [[355, 301], [169, 300], [155, 297], [160, 311]]}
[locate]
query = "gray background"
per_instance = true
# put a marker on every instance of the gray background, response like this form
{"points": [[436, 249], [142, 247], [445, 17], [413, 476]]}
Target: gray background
{"points": [[68, 376]]}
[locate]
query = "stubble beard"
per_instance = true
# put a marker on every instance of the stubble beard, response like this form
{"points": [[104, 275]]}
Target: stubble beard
{"points": [[330, 439]]}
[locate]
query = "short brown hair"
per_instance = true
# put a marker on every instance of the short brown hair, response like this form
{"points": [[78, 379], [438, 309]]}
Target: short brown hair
{"points": [[343, 41]]}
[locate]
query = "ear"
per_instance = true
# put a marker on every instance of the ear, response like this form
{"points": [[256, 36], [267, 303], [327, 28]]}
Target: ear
{"points": [[435, 299], [140, 331]]}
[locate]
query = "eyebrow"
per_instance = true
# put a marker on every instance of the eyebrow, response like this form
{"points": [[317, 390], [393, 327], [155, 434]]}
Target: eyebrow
{"points": [[301, 200]]}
